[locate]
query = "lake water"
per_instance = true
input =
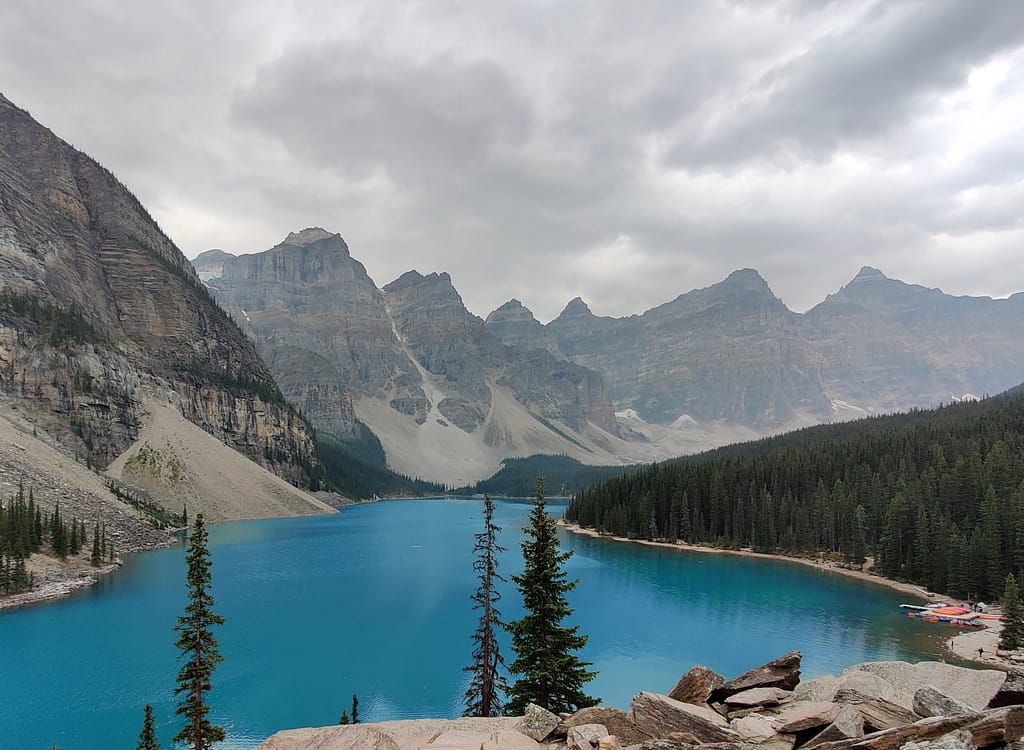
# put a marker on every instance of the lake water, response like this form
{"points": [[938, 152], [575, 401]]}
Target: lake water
{"points": [[375, 601]]}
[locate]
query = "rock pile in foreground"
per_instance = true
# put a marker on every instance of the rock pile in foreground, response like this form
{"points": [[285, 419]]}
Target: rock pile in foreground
{"points": [[872, 706]]}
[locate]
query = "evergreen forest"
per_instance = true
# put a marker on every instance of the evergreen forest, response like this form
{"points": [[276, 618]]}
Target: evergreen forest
{"points": [[25, 529], [936, 497], [517, 477]]}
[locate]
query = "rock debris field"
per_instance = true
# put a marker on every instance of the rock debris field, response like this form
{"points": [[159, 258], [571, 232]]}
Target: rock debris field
{"points": [[871, 706]]}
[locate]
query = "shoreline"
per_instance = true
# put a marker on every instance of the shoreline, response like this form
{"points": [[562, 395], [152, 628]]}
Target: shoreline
{"points": [[55, 590], [963, 645]]}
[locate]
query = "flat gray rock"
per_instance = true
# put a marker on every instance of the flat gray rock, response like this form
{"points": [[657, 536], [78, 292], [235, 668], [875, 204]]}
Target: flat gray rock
{"points": [[848, 724], [507, 739], [973, 687], [858, 686], [803, 715], [585, 736], [928, 701], [657, 715], [758, 697], [961, 739], [819, 689], [537, 723], [616, 720]]}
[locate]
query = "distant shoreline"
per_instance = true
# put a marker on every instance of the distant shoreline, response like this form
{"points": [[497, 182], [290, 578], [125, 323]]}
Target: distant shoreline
{"points": [[963, 645], [828, 567]]}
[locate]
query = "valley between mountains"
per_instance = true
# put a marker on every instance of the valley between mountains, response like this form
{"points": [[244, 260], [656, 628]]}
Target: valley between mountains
{"points": [[450, 396], [288, 376]]}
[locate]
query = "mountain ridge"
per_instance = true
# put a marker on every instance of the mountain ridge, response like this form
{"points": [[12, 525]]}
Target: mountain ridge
{"points": [[417, 367]]}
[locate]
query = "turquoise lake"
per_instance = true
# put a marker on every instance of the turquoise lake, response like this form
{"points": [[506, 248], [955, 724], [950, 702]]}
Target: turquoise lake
{"points": [[375, 600]]}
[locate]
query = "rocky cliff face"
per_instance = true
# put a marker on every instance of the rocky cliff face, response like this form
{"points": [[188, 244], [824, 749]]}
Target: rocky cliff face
{"points": [[409, 360], [731, 353], [515, 326], [887, 345], [97, 303]]}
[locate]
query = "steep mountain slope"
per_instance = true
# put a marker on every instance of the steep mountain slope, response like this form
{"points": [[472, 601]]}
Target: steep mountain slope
{"points": [[888, 345], [732, 358], [99, 308], [445, 397], [729, 353]]}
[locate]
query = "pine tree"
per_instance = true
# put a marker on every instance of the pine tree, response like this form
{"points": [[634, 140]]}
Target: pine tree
{"points": [[198, 648], [1012, 635], [147, 737], [355, 708], [344, 718], [551, 676], [96, 559], [484, 695]]}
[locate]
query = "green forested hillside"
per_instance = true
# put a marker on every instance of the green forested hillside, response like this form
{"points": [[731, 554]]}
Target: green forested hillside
{"points": [[358, 469], [937, 496], [563, 476]]}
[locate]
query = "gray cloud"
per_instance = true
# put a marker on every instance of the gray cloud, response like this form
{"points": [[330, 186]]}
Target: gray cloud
{"points": [[549, 150]]}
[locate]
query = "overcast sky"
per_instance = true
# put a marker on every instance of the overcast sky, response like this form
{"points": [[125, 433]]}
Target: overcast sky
{"points": [[624, 152]]}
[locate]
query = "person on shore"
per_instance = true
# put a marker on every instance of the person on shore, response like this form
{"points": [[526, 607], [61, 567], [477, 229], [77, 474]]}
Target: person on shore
{"points": [[981, 652]]}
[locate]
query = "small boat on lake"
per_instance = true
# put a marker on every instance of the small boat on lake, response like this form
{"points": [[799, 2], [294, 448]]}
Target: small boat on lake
{"points": [[945, 614]]}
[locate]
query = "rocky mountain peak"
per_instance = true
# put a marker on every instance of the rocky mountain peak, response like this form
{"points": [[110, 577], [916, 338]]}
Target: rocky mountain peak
{"points": [[867, 273], [576, 307], [414, 278], [74, 237], [513, 310], [310, 235], [515, 325], [746, 277]]}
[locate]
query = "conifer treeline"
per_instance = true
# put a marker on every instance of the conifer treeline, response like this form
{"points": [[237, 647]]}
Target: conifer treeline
{"points": [[937, 496], [25, 528]]}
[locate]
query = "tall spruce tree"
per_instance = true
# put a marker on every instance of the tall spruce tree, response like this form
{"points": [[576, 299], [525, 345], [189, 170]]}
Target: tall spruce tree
{"points": [[198, 647], [551, 675], [488, 684], [147, 737], [1012, 635]]}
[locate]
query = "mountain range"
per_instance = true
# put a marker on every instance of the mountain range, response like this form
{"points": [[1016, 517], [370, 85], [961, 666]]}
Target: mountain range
{"points": [[279, 353], [450, 395], [103, 323]]}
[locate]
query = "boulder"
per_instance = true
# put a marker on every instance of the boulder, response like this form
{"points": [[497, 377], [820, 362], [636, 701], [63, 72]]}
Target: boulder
{"points": [[351, 737], [507, 739], [670, 744], [848, 724], [585, 736], [758, 697], [537, 723], [819, 689], [880, 714], [928, 701], [857, 686], [961, 739], [1011, 693], [616, 720], [803, 715], [973, 687], [783, 672], [994, 726], [656, 715], [754, 728], [696, 685], [457, 739]]}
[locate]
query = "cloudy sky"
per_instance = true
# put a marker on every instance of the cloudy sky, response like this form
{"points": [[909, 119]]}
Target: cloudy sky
{"points": [[544, 149]]}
